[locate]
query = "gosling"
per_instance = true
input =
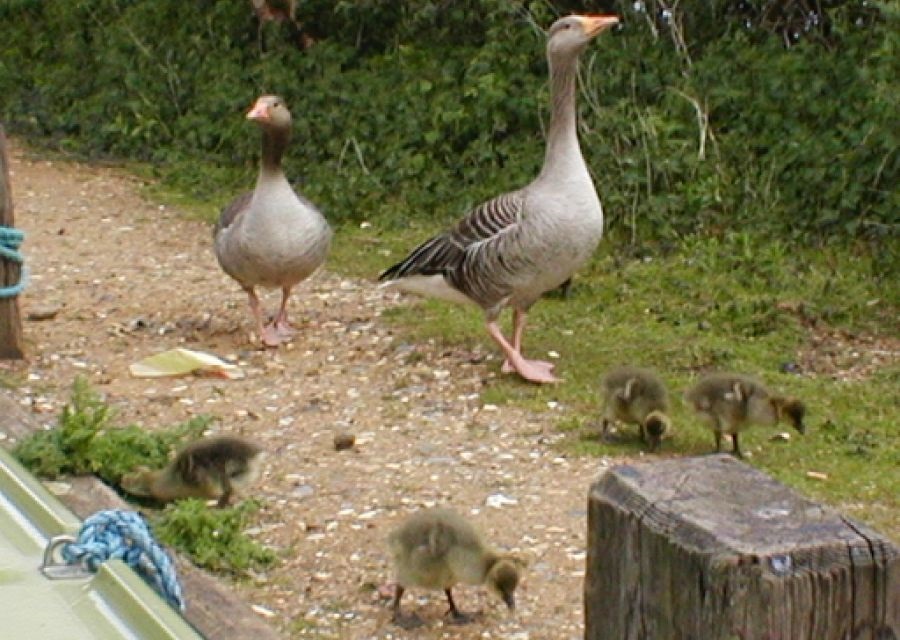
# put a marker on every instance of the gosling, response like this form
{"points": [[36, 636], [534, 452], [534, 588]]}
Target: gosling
{"points": [[730, 402], [438, 548], [635, 395], [210, 468]]}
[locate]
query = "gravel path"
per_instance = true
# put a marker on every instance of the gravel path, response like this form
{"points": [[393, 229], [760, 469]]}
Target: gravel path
{"points": [[130, 278]]}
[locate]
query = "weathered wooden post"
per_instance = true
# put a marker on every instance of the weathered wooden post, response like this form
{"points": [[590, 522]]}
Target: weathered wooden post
{"points": [[10, 270], [710, 548]]}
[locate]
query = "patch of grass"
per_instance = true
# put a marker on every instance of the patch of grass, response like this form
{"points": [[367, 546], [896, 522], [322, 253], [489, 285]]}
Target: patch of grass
{"points": [[735, 302], [213, 538]]}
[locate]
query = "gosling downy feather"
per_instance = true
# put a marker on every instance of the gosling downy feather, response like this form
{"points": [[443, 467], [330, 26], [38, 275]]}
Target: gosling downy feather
{"points": [[731, 402], [634, 395], [438, 548], [210, 468]]}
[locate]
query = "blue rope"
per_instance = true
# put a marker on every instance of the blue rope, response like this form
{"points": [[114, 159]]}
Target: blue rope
{"points": [[125, 535], [10, 241]]}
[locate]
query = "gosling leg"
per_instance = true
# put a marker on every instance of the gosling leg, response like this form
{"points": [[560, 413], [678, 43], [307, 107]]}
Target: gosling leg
{"points": [[458, 616], [404, 622]]}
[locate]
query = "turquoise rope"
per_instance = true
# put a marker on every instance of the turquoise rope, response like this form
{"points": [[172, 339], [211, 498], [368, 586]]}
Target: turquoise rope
{"points": [[125, 535], [10, 241]]}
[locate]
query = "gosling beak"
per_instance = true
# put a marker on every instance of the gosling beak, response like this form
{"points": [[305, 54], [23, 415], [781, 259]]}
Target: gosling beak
{"points": [[593, 25], [510, 600], [259, 111]]}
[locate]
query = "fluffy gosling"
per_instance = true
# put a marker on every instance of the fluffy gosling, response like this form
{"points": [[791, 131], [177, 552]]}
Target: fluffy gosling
{"points": [[211, 468], [438, 548], [637, 396], [730, 402]]}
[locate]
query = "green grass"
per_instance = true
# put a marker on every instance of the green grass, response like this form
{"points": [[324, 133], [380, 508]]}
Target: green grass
{"points": [[733, 303], [736, 302]]}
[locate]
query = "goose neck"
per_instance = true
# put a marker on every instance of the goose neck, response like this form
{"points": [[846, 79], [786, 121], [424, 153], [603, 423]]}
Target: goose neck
{"points": [[562, 134], [274, 143]]}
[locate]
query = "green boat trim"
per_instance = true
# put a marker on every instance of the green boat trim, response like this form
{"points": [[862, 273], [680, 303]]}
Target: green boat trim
{"points": [[114, 603]]}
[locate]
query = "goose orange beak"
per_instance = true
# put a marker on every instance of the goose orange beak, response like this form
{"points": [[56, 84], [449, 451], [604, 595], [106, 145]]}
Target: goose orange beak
{"points": [[259, 111], [593, 25]]}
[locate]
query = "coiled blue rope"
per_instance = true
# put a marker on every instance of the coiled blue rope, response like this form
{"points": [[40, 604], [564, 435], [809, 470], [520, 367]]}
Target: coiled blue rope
{"points": [[10, 241], [125, 535]]}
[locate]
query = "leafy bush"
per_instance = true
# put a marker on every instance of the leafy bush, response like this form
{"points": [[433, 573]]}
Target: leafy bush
{"points": [[775, 117], [85, 442]]}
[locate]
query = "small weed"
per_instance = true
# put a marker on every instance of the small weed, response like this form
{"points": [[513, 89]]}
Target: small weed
{"points": [[84, 441]]}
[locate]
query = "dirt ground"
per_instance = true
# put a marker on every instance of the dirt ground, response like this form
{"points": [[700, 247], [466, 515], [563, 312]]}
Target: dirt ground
{"points": [[131, 278]]}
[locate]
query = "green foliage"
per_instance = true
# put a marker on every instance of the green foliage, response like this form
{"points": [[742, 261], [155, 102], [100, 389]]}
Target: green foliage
{"points": [[213, 538], [746, 114], [84, 441]]}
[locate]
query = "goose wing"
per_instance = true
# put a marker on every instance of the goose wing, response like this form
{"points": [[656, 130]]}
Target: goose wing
{"points": [[232, 211], [471, 250]]}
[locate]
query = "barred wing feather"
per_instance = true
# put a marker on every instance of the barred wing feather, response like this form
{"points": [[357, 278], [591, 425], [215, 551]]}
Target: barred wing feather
{"points": [[468, 253]]}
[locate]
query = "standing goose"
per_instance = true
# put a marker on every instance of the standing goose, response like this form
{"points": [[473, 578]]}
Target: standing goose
{"points": [[509, 250], [271, 236]]}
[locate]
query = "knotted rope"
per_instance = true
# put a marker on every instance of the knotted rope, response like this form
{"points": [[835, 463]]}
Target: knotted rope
{"points": [[125, 535], [10, 241]]}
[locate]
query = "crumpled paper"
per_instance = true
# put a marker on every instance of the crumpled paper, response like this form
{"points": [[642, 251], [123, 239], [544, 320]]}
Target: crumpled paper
{"points": [[180, 362]]}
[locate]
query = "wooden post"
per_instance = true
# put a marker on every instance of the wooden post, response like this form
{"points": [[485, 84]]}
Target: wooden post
{"points": [[10, 271], [710, 548]]}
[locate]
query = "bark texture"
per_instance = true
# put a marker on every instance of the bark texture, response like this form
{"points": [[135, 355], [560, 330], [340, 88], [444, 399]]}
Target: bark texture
{"points": [[709, 548]]}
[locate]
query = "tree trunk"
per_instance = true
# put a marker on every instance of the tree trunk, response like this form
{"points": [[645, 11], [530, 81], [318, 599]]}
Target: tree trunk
{"points": [[710, 548], [10, 271]]}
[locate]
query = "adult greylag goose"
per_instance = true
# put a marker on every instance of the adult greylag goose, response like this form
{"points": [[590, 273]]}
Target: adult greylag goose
{"points": [[731, 402], [638, 396], [511, 249], [271, 236], [211, 468], [438, 548]]}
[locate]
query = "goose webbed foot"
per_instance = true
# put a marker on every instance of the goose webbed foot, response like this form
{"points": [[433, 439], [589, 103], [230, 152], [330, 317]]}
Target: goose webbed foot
{"points": [[507, 366], [270, 336], [284, 328], [536, 371], [407, 621], [458, 617]]}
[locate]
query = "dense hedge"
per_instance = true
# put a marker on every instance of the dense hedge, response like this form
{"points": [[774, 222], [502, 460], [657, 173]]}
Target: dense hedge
{"points": [[770, 115]]}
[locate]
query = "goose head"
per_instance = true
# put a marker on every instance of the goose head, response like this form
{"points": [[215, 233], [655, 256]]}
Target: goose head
{"points": [[657, 424], [568, 36], [503, 577], [270, 112], [792, 410]]}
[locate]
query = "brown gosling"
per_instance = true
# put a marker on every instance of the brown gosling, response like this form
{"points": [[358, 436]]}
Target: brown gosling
{"points": [[636, 396], [438, 548], [729, 402], [210, 468]]}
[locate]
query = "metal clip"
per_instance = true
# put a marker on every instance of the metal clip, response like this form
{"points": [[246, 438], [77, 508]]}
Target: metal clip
{"points": [[56, 570]]}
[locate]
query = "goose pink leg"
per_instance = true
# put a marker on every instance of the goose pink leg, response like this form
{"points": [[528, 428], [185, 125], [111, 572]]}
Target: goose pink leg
{"points": [[532, 370], [518, 331], [268, 334], [281, 324]]}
